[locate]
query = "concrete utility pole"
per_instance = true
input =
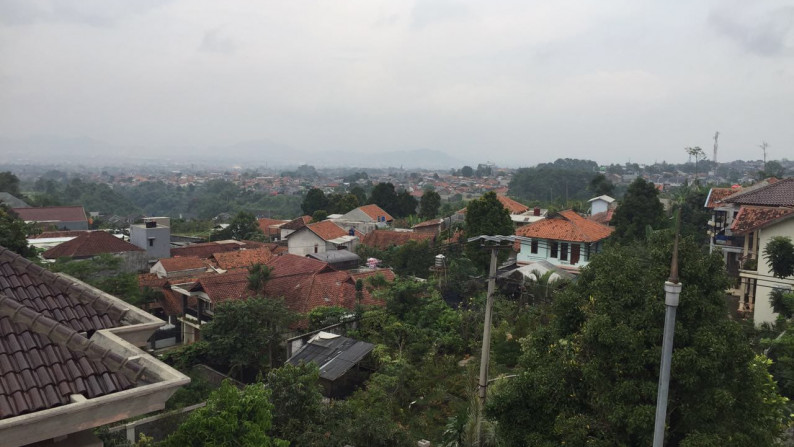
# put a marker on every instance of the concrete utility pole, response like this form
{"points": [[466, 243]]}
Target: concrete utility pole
{"points": [[672, 289], [485, 355], [716, 135]]}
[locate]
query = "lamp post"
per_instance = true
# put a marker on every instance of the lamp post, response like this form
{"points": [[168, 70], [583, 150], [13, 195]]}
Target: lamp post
{"points": [[672, 291]]}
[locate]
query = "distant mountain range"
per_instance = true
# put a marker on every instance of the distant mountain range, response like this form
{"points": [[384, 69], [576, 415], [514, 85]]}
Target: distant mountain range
{"points": [[89, 151]]}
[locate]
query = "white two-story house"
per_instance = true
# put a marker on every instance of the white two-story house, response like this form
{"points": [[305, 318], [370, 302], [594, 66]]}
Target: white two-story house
{"points": [[565, 239]]}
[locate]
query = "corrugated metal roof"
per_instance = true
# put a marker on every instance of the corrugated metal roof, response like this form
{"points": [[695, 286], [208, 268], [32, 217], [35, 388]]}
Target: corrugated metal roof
{"points": [[333, 354]]}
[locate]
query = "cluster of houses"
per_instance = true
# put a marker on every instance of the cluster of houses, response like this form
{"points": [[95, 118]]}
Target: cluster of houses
{"points": [[71, 357]]}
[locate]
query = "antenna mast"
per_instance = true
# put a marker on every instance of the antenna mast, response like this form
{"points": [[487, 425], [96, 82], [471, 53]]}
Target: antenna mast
{"points": [[716, 136]]}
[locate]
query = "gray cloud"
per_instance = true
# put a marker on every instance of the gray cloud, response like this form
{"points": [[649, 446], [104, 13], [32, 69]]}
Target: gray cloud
{"points": [[215, 41], [764, 36], [97, 13], [427, 12]]}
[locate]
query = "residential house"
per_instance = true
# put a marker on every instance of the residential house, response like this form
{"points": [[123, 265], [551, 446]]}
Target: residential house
{"points": [[341, 361], [208, 249], [179, 266], [531, 216], [759, 225], [764, 213], [564, 239], [271, 227], [321, 237], [154, 236], [338, 259], [55, 217], [242, 258], [432, 226], [303, 283], [292, 226], [601, 204], [48, 239], [724, 212], [513, 206], [94, 243], [69, 358], [365, 219]]}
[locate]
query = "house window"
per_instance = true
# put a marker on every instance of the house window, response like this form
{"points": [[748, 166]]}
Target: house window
{"points": [[151, 242], [533, 246], [576, 251], [554, 247], [564, 252], [315, 248]]}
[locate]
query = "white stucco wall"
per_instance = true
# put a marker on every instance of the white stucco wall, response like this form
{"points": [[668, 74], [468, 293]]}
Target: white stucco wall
{"points": [[302, 243], [525, 255], [762, 311]]}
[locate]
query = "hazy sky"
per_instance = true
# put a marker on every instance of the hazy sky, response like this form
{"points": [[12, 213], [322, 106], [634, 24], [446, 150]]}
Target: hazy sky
{"points": [[516, 82]]}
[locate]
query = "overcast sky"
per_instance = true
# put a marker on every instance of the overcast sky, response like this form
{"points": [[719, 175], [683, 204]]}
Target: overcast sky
{"points": [[516, 82]]}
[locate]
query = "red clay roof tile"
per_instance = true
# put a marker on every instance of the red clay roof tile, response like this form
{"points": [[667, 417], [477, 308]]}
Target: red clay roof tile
{"points": [[751, 218], [566, 226], [383, 239], [90, 243]]}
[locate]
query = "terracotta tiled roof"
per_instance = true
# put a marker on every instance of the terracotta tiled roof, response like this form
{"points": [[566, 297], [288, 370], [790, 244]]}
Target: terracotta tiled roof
{"points": [[429, 223], [269, 226], [171, 302], [751, 218], [181, 263], [242, 258], [207, 249], [716, 195], [780, 193], [566, 226], [512, 206], [151, 280], [327, 230], [296, 224], [604, 217], [90, 243], [374, 211], [228, 286], [57, 234], [383, 239], [52, 214], [288, 264], [41, 365]]}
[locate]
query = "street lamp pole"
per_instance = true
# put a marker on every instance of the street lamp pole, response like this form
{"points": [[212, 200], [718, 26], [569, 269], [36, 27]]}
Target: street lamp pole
{"points": [[672, 289]]}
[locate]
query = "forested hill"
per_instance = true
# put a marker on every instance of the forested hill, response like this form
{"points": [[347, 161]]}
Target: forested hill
{"points": [[565, 179]]}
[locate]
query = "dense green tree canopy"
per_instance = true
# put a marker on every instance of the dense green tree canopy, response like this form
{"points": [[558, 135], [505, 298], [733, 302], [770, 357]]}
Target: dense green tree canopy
{"points": [[590, 376], [14, 232], [384, 195], [600, 186], [315, 200], [486, 215], [779, 255], [406, 204], [296, 399], [104, 273], [639, 209], [231, 417], [341, 203], [429, 205], [466, 171], [565, 179], [243, 227], [9, 183], [244, 335]]}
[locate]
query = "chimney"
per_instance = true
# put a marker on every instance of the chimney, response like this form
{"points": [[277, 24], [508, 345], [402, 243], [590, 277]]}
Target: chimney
{"points": [[536, 211]]}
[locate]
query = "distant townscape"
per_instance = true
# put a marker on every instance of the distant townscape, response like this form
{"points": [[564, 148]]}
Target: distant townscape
{"points": [[474, 305]]}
